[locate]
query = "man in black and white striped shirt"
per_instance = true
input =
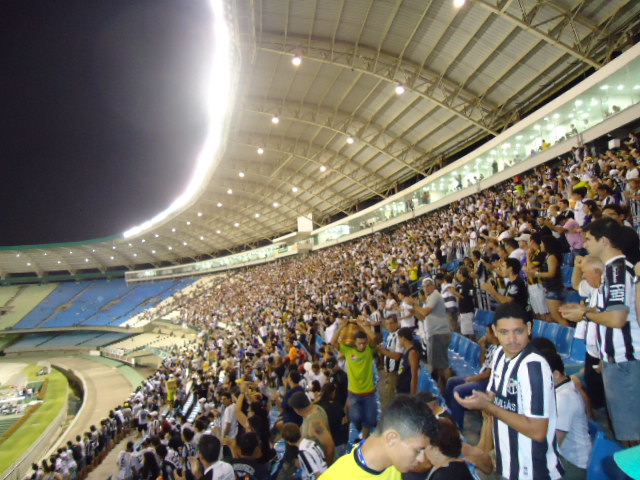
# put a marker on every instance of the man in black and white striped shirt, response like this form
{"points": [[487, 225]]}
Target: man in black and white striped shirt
{"points": [[310, 454], [618, 333], [521, 399], [392, 352]]}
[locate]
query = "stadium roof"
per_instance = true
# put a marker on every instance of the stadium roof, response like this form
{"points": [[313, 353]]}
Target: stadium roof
{"points": [[382, 91]]}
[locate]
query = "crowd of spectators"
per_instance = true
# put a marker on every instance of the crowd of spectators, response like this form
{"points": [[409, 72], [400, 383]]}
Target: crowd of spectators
{"points": [[328, 338]]}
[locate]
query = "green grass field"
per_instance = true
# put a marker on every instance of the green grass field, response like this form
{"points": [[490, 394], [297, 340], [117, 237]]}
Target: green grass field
{"points": [[55, 399]]}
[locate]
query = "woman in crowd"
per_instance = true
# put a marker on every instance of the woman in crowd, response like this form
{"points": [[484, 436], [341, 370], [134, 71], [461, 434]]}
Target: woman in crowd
{"points": [[444, 454], [551, 275]]}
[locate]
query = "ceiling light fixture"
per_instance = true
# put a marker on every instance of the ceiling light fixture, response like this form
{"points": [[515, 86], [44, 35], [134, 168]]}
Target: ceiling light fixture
{"points": [[241, 174], [218, 232], [219, 204], [199, 214], [236, 224], [275, 120], [188, 222], [400, 90], [350, 140], [296, 61], [323, 168], [458, 3], [260, 150], [257, 215], [173, 230], [294, 189], [276, 204], [229, 192]]}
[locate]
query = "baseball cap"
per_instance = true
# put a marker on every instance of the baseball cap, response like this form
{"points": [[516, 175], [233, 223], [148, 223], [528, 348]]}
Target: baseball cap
{"points": [[299, 400]]}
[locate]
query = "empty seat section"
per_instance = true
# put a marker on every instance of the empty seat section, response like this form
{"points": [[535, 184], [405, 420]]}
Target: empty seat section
{"points": [[30, 341], [68, 339], [25, 302], [63, 294], [159, 291], [104, 339], [87, 304]]}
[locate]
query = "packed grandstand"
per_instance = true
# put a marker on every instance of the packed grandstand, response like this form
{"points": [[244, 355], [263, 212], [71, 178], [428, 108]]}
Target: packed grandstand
{"points": [[489, 331]]}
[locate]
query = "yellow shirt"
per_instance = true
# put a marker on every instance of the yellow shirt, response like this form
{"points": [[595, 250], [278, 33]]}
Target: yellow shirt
{"points": [[359, 369], [413, 273], [348, 468]]}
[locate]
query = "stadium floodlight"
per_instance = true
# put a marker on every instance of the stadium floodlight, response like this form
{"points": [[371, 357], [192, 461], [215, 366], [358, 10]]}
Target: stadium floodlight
{"points": [[296, 61], [217, 101], [459, 3]]}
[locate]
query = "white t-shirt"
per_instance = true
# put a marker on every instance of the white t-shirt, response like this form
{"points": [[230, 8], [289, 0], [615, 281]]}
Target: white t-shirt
{"points": [[229, 416], [520, 255], [222, 471], [405, 309], [585, 329], [572, 418]]}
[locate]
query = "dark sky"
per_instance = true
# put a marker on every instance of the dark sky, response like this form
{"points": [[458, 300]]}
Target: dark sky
{"points": [[100, 113]]}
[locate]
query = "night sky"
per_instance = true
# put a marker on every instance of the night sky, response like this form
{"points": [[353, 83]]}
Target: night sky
{"points": [[100, 113]]}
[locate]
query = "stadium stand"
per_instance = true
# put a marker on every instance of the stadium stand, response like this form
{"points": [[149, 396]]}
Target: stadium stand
{"points": [[23, 302], [96, 303]]}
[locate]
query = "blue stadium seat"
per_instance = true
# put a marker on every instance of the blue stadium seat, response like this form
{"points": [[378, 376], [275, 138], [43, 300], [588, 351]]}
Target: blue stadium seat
{"points": [[538, 325], [567, 273], [473, 355], [578, 349], [455, 342], [594, 428], [550, 331], [602, 449], [573, 297], [479, 330], [564, 339], [483, 317], [464, 345]]}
